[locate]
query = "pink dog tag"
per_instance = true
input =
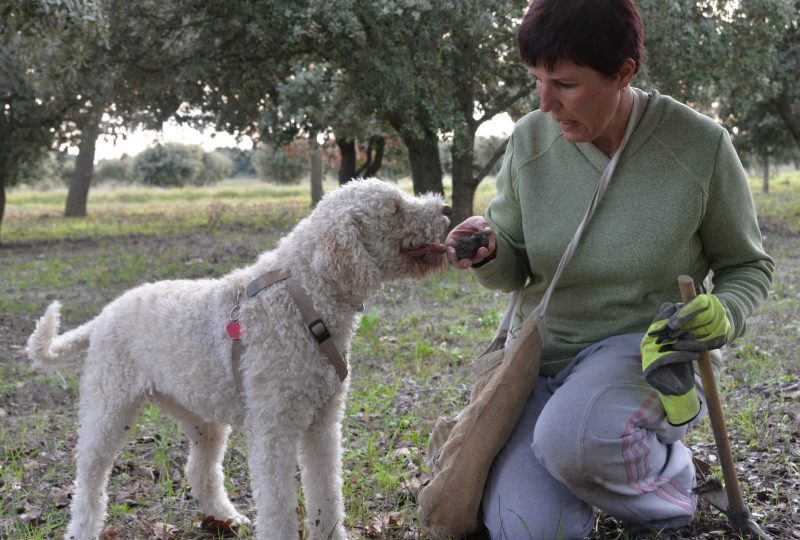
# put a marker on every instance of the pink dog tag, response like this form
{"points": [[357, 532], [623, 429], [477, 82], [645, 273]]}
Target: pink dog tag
{"points": [[234, 332]]}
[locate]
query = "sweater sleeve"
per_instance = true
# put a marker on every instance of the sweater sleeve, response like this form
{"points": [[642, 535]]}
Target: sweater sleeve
{"points": [[732, 240], [508, 271]]}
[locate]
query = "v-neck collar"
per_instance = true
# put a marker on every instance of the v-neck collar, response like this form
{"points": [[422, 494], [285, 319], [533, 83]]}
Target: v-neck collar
{"points": [[647, 124]]}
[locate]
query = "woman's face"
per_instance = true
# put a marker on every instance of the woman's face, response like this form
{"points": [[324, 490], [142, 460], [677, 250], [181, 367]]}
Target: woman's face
{"points": [[588, 106]]}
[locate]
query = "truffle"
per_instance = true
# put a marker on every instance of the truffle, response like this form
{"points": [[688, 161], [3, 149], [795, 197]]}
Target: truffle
{"points": [[469, 245]]}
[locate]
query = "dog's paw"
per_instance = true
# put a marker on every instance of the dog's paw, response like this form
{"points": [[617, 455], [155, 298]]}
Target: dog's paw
{"points": [[239, 519]]}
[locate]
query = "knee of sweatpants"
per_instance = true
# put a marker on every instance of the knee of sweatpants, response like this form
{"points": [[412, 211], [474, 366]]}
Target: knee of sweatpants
{"points": [[517, 524], [558, 443]]}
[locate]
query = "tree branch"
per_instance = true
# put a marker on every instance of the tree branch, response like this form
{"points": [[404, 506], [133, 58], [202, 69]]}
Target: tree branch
{"points": [[498, 153]]}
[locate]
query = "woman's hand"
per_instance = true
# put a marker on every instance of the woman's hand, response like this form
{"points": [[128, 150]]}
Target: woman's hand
{"points": [[469, 227]]}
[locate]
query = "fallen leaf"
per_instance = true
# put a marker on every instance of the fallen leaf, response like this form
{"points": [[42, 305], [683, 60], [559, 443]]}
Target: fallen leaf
{"points": [[109, 534], [163, 531], [62, 495], [702, 466], [217, 526], [32, 516], [130, 493], [374, 528], [394, 519]]}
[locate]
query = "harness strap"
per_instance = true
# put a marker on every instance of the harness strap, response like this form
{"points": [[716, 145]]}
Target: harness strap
{"points": [[316, 326]]}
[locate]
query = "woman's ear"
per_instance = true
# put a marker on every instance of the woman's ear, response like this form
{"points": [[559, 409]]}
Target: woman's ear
{"points": [[626, 73]]}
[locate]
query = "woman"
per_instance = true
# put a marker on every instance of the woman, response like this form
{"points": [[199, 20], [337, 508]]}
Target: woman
{"points": [[616, 390]]}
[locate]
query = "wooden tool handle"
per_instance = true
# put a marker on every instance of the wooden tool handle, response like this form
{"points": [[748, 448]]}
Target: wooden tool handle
{"points": [[736, 503]]}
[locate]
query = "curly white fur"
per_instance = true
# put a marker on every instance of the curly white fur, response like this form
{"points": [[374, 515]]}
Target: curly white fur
{"points": [[166, 342]]}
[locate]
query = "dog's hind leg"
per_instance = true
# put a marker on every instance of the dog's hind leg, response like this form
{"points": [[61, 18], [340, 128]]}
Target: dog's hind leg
{"points": [[321, 474], [106, 416], [207, 442]]}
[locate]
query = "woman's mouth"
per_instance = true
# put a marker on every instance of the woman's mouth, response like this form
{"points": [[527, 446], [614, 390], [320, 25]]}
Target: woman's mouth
{"points": [[567, 125]]}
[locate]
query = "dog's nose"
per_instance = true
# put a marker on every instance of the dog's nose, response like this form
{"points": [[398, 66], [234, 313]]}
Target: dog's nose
{"points": [[446, 210]]}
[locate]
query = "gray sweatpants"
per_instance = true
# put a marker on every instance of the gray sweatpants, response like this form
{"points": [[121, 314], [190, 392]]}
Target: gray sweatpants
{"points": [[595, 435]]}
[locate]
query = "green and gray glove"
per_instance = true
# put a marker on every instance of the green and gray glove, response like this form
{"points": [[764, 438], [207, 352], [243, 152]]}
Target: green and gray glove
{"points": [[669, 370], [698, 325]]}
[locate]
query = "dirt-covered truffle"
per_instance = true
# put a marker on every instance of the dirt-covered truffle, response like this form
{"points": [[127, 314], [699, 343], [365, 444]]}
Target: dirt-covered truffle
{"points": [[469, 245]]}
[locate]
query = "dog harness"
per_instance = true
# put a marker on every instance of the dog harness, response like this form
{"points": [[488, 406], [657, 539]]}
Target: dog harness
{"points": [[316, 326]]}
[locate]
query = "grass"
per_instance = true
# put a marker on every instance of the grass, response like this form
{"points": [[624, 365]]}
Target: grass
{"points": [[410, 362]]}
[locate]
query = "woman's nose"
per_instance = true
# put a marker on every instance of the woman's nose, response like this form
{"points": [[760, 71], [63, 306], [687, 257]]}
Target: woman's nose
{"points": [[545, 103]]}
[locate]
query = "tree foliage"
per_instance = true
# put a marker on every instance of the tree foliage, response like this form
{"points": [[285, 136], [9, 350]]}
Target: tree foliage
{"points": [[361, 71], [42, 46]]}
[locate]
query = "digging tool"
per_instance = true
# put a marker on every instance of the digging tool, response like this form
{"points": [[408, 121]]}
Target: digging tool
{"points": [[737, 511]]}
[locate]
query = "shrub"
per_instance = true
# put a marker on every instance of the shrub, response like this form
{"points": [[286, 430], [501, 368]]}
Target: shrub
{"points": [[54, 169], [169, 165], [114, 170], [278, 165], [217, 166], [240, 159]]}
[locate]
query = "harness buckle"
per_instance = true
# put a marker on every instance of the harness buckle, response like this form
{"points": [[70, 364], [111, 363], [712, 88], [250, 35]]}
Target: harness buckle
{"points": [[319, 330]]}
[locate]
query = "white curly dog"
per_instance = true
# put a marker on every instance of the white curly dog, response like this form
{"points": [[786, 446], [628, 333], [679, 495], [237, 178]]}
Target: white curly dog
{"points": [[167, 342]]}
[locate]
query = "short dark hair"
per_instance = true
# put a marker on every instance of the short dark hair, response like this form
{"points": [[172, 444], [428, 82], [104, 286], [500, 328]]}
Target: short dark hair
{"points": [[600, 34]]}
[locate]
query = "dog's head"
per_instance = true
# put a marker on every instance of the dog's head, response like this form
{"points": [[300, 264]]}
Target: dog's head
{"points": [[372, 231]]}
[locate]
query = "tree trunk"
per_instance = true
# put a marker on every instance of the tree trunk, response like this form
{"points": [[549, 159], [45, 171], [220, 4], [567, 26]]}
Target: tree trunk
{"points": [[377, 146], [466, 180], [464, 185], [84, 167], [462, 151], [347, 165], [426, 167], [766, 173], [2, 203], [786, 109], [316, 171]]}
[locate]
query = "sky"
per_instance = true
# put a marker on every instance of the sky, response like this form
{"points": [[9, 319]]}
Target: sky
{"points": [[136, 141], [210, 139]]}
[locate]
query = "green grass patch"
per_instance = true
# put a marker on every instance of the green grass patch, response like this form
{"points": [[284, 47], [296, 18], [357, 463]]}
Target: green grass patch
{"points": [[410, 360]]}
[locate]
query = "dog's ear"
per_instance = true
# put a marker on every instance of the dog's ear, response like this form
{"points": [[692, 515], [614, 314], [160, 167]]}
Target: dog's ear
{"points": [[341, 255]]}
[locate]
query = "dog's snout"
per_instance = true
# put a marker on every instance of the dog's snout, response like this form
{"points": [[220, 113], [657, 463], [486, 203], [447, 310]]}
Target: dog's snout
{"points": [[446, 210]]}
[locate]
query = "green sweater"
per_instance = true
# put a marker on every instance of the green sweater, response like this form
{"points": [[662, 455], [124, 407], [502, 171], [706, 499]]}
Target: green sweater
{"points": [[678, 203]]}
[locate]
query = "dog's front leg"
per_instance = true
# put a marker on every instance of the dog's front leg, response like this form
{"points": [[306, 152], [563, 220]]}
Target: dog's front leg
{"points": [[321, 474], [273, 463]]}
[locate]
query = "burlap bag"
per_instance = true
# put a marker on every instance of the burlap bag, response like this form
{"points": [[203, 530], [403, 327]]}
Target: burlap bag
{"points": [[462, 449]]}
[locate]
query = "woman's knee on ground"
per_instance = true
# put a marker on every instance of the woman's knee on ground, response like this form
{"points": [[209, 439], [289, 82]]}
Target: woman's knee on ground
{"points": [[518, 522], [578, 436], [558, 441]]}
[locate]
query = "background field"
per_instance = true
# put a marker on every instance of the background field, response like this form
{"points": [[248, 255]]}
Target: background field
{"points": [[410, 363]]}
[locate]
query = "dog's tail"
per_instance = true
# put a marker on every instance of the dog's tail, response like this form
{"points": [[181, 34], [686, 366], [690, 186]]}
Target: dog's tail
{"points": [[47, 349]]}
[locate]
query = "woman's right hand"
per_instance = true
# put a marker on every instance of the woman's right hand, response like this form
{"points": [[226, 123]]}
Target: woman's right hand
{"points": [[468, 227]]}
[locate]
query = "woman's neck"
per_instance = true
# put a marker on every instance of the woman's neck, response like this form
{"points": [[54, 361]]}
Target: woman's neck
{"points": [[612, 138]]}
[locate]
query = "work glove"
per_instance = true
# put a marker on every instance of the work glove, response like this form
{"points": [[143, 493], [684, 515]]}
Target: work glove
{"points": [[700, 324], [670, 371]]}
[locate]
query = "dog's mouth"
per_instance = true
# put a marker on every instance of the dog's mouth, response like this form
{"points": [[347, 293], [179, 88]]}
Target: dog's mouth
{"points": [[424, 249]]}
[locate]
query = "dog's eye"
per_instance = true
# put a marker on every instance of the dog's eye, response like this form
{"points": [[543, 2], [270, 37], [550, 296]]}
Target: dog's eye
{"points": [[398, 205]]}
